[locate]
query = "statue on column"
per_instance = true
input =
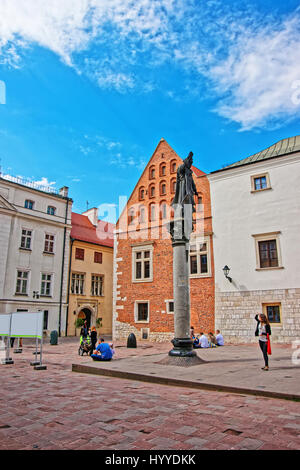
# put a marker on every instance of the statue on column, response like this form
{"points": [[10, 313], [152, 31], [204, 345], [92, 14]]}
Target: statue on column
{"points": [[184, 201]]}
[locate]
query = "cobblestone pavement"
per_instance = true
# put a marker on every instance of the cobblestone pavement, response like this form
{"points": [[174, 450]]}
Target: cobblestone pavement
{"points": [[60, 409]]}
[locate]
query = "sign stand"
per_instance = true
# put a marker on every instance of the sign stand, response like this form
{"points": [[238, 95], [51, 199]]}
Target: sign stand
{"points": [[18, 348], [40, 366], [7, 360], [36, 362], [22, 325]]}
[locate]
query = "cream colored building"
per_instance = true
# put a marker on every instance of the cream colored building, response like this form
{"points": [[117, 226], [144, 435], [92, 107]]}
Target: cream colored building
{"points": [[35, 226], [90, 272], [256, 227]]}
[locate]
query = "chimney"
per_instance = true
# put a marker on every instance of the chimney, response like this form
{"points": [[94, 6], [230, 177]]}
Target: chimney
{"points": [[92, 215], [64, 191]]}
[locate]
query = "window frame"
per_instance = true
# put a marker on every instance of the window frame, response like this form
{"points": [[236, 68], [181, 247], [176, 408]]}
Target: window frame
{"points": [[136, 311], [198, 253], [265, 311], [46, 281], [135, 250], [99, 277], [81, 283], [264, 237], [22, 270], [29, 201], [26, 237], [100, 256], [77, 249], [169, 312], [49, 210], [260, 175]]}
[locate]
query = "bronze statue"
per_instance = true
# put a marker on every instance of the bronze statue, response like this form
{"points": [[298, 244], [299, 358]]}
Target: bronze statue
{"points": [[185, 185], [184, 201]]}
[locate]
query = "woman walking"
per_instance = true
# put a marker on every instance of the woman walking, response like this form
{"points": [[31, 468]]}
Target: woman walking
{"points": [[263, 329]]}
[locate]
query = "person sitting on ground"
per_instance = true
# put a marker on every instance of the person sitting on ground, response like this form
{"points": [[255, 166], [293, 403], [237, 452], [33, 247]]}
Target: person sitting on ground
{"points": [[212, 340], [102, 352], [219, 338], [112, 348], [192, 332], [195, 341], [203, 342]]}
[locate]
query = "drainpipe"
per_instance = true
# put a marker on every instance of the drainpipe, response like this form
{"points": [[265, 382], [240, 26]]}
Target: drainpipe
{"points": [[62, 270], [69, 281]]}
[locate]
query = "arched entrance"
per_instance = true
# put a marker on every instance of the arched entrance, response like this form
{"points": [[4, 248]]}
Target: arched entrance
{"points": [[85, 314]]}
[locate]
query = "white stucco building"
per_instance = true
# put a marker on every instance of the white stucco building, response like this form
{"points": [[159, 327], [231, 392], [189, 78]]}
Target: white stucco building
{"points": [[35, 228], [256, 225]]}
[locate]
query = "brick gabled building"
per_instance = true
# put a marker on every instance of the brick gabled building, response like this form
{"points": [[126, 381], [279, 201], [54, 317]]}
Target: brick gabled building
{"points": [[143, 263]]}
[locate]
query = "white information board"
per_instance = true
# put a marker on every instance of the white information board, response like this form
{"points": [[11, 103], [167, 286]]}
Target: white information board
{"points": [[27, 325], [4, 324]]}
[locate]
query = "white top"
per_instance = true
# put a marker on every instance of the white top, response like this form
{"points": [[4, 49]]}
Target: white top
{"points": [[220, 339], [262, 329], [203, 341]]}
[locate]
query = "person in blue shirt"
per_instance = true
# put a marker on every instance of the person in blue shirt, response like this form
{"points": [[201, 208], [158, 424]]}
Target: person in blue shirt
{"points": [[102, 352]]}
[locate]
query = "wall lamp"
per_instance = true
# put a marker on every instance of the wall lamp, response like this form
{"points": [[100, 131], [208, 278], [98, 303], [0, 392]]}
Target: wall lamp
{"points": [[226, 270], [36, 294]]}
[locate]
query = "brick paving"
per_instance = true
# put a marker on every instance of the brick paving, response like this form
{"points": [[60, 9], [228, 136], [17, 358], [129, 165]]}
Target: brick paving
{"points": [[59, 409]]}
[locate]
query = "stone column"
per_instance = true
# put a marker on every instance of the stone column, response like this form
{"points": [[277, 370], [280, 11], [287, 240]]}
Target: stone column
{"points": [[182, 342]]}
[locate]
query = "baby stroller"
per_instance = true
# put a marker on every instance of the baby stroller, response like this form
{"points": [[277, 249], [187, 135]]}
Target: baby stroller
{"points": [[85, 346]]}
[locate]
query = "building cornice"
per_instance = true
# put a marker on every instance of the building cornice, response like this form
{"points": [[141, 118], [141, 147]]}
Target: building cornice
{"points": [[249, 168]]}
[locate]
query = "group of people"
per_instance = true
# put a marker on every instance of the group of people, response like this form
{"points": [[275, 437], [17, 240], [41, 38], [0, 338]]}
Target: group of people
{"points": [[207, 341], [263, 331], [99, 351]]}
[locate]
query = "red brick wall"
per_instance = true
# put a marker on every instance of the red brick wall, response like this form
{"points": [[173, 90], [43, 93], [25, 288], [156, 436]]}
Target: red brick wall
{"points": [[161, 288]]}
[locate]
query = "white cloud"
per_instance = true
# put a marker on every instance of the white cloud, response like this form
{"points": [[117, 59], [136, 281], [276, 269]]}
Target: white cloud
{"points": [[260, 74], [248, 62]]}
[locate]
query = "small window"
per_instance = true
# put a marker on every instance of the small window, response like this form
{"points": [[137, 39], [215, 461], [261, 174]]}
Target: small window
{"points": [[22, 282], [162, 169], [97, 285], [142, 313], [131, 217], [273, 312], [77, 285], [152, 173], [268, 254], [46, 285], [152, 213], [98, 257], [199, 258], [170, 306], [29, 204], [173, 166], [173, 186], [163, 189], [51, 210], [49, 243], [26, 239], [152, 191], [142, 193], [260, 182], [163, 210], [79, 254], [142, 264], [142, 217]]}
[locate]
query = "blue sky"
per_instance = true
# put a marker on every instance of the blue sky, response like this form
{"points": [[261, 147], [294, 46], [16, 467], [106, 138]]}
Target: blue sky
{"points": [[92, 86]]}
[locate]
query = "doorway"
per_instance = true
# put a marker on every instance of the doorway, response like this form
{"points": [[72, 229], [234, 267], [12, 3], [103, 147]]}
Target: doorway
{"points": [[86, 314]]}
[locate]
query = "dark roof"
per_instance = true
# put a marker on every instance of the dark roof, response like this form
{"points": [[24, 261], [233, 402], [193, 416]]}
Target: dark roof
{"points": [[283, 147], [84, 230]]}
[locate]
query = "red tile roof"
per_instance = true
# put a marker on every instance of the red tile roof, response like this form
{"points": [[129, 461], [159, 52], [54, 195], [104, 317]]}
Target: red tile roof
{"points": [[84, 230], [198, 172]]}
